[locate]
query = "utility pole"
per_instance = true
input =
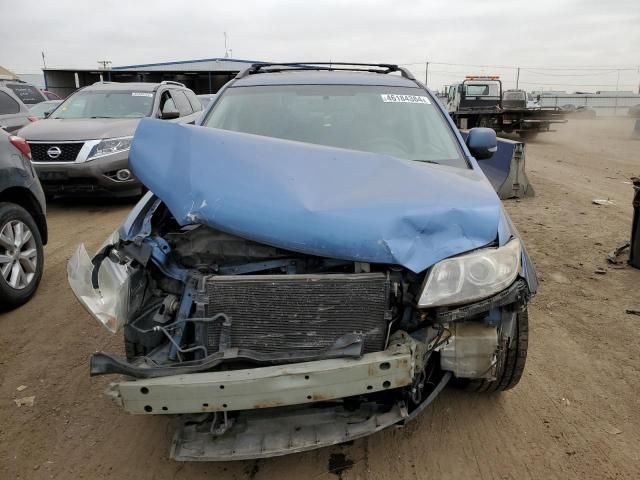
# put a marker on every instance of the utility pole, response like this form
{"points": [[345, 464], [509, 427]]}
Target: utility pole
{"points": [[106, 64], [426, 74], [44, 62], [226, 49], [518, 78]]}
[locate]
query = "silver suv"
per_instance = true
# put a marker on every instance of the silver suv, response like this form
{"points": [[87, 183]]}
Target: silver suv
{"points": [[13, 113], [83, 146]]}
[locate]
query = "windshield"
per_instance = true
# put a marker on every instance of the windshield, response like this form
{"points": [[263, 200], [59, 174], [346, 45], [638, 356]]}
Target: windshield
{"points": [[402, 122], [514, 96], [489, 89], [106, 104], [39, 109]]}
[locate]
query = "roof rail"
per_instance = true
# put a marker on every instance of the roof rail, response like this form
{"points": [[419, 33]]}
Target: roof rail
{"points": [[171, 82], [330, 66]]}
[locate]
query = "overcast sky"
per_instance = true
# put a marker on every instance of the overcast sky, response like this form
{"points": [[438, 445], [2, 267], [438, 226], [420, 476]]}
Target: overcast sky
{"points": [[544, 34]]}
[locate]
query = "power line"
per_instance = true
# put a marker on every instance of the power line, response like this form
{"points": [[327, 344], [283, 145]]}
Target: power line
{"points": [[514, 67], [605, 72], [580, 84]]}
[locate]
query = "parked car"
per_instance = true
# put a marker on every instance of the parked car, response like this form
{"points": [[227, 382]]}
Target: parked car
{"points": [[27, 93], [23, 225], [43, 109], [312, 268], [83, 146], [13, 113]]}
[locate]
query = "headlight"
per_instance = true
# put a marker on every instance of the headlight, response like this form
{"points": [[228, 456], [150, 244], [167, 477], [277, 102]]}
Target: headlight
{"points": [[471, 277], [110, 146], [110, 304]]}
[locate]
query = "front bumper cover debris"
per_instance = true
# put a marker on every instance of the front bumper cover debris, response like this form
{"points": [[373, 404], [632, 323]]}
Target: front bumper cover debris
{"points": [[280, 431], [274, 432]]}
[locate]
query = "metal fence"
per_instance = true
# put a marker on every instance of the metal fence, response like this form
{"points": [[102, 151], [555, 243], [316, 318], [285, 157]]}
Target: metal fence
{"points": [[604, 105]]}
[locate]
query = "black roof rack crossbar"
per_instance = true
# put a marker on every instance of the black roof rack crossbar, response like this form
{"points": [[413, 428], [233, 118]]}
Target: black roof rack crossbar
{"points": [[343, 66]]}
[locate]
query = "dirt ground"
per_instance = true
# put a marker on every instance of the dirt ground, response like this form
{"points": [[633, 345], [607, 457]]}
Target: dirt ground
{"points": [[575, 414]]}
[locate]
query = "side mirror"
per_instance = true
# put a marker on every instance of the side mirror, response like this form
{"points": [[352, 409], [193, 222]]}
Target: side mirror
{"points": [[46, 114], [482, 142], [169, 115]]}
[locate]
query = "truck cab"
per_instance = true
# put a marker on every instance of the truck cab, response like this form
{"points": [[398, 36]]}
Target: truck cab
{"points": [[475, 93]]}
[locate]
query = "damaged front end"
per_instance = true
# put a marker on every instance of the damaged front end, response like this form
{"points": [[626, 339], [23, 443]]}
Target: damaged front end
{"points": [[270, 351]]}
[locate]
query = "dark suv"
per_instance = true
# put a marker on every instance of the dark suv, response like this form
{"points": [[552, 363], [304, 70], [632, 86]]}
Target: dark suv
{"points": [[23, 226], [83, 146]]}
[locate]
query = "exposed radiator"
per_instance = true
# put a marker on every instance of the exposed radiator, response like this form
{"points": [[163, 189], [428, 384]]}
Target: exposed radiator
{"points": [[296, 313]]}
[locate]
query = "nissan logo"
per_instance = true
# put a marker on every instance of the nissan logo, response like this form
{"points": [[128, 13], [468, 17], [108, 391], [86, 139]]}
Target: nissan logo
{"points": [[54, 152]]}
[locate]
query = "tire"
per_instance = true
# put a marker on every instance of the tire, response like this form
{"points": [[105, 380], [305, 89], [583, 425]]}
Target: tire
{"points": [[15, 291], [484, 122], [511, 361]]}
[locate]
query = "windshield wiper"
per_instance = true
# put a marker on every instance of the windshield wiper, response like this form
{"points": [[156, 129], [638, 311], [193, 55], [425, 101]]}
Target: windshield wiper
{"points": [[426, 161]]}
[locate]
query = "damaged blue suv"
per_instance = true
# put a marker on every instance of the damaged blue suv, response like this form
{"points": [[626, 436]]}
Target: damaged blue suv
{"points": [[312, 264]]}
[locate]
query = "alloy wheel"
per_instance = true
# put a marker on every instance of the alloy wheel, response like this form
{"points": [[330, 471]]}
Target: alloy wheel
{"points": [[18, 254]]}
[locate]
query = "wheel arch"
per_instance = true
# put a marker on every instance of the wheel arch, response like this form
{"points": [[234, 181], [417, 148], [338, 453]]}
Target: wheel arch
{"points": [[23, 197]]}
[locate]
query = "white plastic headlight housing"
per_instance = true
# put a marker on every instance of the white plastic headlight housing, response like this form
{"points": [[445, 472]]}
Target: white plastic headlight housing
{"points": [[109, 146], [471, 277], [110, 303]]}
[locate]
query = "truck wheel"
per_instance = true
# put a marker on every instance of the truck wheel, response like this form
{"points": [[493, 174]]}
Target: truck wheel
{"points": [[21, 256], [527, 134], [484, 122], [511, 360]]}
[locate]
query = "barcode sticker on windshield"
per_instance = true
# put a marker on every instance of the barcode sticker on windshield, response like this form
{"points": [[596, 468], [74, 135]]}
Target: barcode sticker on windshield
{"points": [[141, 94], [390, 97]]}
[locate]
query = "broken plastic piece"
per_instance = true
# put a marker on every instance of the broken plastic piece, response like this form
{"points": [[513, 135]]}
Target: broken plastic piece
{"points": [[110, 304], [602, 201], [25, 401]]}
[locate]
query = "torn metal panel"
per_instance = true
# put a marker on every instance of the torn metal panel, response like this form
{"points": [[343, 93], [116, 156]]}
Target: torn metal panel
{"points": [[317, 200], [268, 387]]}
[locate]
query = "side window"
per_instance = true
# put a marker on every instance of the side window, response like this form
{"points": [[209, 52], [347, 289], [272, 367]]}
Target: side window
{"points": [[166, 102], [28, 94], [8, 104], [193, 100], [184, 107]]}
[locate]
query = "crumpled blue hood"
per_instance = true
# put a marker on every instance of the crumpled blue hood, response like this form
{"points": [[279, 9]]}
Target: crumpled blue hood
{"points": [[317, 200]]}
